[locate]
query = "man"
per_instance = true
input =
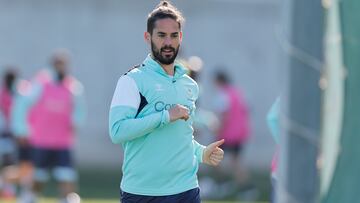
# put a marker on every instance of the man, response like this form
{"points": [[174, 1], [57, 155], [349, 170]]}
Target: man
{"points": [[52, 109], [15, 155], [234, 127], [151, 116], [7, 141]]}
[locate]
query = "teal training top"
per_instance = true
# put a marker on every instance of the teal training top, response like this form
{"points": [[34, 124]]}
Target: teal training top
{"points": [[160, 157]]}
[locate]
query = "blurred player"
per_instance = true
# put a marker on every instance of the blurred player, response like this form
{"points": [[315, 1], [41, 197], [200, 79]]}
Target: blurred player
{"points": [[7, 140], [52, 111], [234, 127]]}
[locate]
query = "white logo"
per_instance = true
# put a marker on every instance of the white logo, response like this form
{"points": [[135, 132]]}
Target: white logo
{"points": [[189, 92], [190, 95]]}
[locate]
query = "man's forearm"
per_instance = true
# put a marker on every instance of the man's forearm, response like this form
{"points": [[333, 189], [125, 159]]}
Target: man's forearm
{"points": [[124, 127]]}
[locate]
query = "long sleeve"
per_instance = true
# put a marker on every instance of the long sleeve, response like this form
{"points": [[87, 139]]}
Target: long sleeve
{"points": [[123, 126], [199, 150], [22, 104], [79, 112]]}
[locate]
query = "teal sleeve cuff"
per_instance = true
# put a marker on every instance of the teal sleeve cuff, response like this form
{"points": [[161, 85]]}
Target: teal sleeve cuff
{"points": [[199, 151], [165, 118]]}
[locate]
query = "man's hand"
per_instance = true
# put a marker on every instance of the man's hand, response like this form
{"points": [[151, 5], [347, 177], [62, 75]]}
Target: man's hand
{"points": [[213, 154], [178, 112]]}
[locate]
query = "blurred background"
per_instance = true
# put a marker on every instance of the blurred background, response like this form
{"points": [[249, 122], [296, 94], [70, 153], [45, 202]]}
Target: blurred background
{"points": [[270, 49], [105, 39]]}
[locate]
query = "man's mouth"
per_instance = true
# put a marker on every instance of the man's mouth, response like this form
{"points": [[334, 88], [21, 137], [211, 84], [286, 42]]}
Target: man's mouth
{"points": [[167, 51]]}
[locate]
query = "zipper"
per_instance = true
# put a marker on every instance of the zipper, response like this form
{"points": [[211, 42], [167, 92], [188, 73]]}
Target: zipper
{"points": [[174, 87]]}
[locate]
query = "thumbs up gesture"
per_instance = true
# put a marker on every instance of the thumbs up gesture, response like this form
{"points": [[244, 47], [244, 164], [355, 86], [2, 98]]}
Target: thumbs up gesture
{"points": [[213, 154]]}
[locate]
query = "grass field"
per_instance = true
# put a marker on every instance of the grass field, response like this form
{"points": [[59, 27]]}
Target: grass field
{"points": [[117, 201], [105, 185], [100, 186]]}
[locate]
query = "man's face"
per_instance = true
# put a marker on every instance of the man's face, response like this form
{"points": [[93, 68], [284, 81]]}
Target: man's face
{"points": [[165, 40], [60, 64]]}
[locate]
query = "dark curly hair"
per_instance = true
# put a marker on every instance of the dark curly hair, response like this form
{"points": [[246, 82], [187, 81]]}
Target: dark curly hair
{"points": [[164, 10]]}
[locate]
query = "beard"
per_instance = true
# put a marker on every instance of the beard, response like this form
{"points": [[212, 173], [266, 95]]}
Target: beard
{"points": [[163, 57], [60, 76]]}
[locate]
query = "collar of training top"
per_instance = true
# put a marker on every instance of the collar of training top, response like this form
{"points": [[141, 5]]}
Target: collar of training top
{"points": [[149, 62]]}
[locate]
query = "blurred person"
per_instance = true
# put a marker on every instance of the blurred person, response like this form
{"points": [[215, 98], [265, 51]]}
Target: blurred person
{"points": [[273, 124], [151, 116], [17, 154], [234, 127], [50, 115], [24, 169], [7, 141]]}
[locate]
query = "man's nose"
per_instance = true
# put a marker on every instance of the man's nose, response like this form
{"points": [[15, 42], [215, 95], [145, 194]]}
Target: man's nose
{"points": [[167, 41]]}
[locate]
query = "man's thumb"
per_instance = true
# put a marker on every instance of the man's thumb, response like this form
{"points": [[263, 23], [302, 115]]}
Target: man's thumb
{"points": [[216, 144]]}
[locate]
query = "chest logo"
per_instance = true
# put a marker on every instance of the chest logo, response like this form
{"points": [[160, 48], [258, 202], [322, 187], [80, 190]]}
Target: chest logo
{"points": [[190, 95]]}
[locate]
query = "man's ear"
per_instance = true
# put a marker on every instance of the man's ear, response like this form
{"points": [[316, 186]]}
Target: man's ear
{"points": [[181, 36], [147, 37]]}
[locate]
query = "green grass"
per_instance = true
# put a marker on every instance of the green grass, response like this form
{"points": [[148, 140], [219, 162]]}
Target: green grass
{"points": [[93, 184], [99, 186], [51, 200]]}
